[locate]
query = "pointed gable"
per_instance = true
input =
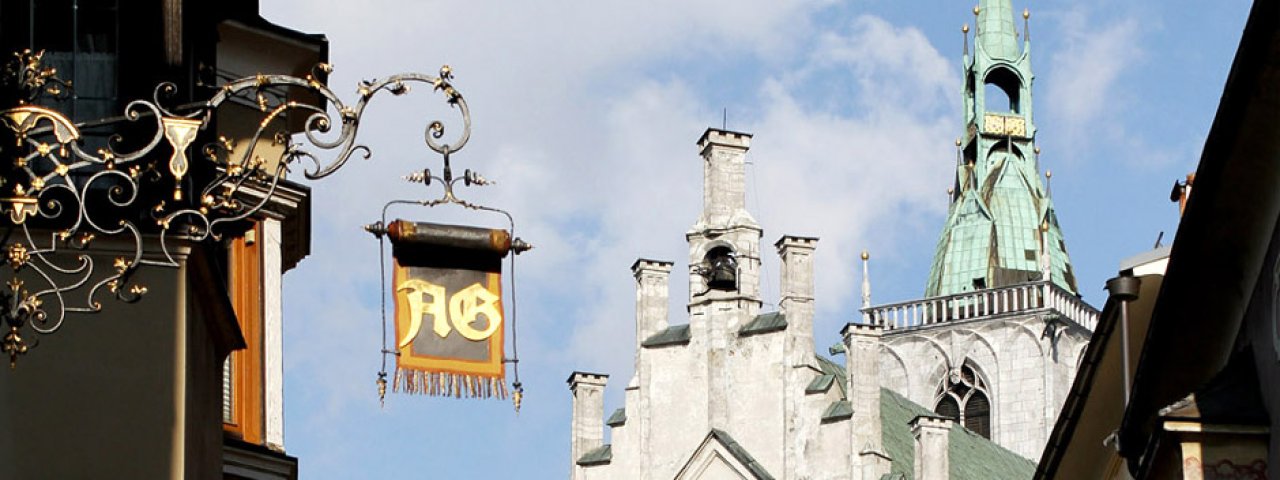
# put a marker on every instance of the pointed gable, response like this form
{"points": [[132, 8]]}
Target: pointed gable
{"points": [[719, 457]]}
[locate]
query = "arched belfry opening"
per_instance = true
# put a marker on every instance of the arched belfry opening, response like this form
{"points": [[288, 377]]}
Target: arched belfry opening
{"points": [[720, 267], [1002, 91], [962, 396]]}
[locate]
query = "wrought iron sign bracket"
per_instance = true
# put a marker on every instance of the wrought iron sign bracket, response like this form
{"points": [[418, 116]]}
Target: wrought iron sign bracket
{"points": [[59, 191]]}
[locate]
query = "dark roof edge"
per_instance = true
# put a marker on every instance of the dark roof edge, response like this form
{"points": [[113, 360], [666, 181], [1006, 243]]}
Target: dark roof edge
{"points": [[741, 454], [1225, 231]]}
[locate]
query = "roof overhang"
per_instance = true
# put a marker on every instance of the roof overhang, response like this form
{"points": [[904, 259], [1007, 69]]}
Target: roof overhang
{"points": [[1224, 235]]}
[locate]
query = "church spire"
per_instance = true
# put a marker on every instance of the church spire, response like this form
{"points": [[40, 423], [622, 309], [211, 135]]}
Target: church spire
{"points": [[996, 33], [1002, 228]]}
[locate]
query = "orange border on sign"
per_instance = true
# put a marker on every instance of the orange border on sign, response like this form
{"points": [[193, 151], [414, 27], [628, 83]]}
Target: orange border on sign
{"points": [[492, 367]]}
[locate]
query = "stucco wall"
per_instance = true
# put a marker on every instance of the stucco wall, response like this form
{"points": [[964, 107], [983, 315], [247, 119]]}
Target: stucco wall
{"points": [[112, 395], [1026, 380]]}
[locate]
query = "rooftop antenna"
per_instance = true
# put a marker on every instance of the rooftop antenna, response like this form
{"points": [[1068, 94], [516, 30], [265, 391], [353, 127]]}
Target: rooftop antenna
{"points": [[724, 121]]}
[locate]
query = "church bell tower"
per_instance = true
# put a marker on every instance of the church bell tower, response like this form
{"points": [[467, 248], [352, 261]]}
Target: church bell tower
{"points": [[724, 244], [1001, 228]]}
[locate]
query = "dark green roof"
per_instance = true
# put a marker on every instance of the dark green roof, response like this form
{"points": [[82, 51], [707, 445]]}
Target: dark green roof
{"points": [[970, 455], [599, 456], [673, 335], [820, 384], [896, 413], [836, 349], [834, 369], [838, 410], [764, 323], [741, 454], [619, 417]]}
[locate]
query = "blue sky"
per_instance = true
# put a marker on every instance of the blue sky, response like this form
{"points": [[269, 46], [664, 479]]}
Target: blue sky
{"points": [[586, 113]]}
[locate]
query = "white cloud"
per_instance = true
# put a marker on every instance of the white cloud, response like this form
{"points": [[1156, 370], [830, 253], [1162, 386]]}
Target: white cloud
{"points": [[591, 138], [1084, 77]]}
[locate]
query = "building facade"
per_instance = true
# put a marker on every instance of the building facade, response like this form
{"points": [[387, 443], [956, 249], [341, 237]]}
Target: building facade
{"points": [[1183, 380], [187, 381], [963, 383]]}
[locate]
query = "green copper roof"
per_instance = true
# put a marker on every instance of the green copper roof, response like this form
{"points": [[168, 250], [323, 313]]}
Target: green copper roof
{"points": [[1001, 227], [673, 335], [618, 418], [983, 459], [757, 471], [997, 36], [838, 410], [598, 456], [820, 384], [969, 454], [764, 323]]}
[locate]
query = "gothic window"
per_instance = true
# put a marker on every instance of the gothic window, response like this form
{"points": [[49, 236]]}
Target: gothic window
{"points": [[963, 397]]}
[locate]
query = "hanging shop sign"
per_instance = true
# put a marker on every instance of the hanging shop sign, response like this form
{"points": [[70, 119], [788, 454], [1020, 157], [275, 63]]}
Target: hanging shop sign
{"points": [[447, 282]]}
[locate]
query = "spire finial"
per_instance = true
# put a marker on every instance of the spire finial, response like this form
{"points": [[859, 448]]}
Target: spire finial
{"points": [[1048, 186], [1045, 263], [1026, 24], [866, 281], [964, 29]]}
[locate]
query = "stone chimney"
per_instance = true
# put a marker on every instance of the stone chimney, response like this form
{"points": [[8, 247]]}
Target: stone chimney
{"points": [[723, 176], [587, 429], [797, 295], [933, 435], [862, 362], [652, 291]]}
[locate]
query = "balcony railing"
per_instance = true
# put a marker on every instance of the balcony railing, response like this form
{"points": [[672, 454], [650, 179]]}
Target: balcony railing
{"points": [[1022, 298]]}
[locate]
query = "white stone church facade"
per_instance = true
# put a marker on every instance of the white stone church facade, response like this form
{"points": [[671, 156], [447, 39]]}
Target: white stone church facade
{"points": [[965, 383]]}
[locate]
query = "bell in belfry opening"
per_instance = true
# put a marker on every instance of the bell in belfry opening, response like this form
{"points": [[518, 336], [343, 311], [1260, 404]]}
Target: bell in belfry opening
{"points": [[723, 273]]}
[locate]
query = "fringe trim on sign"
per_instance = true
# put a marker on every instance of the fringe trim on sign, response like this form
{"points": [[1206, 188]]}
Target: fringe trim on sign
{"points": [[442, 384]]}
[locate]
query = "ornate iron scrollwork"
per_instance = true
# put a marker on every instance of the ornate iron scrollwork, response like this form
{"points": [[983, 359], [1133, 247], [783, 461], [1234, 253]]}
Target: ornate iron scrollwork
{"points": [[58, 194]]}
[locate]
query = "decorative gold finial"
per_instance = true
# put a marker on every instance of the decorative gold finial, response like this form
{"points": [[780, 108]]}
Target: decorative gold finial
{"points": [[976, 9], [950, 191], [957, 142], [1037, 150], [865, 255], [965, 28], [1026, 23], [382, 389], [1048, 174]]}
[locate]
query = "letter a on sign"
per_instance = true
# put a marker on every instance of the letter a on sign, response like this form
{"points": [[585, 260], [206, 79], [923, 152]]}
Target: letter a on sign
{"points": [[449, 317]]}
